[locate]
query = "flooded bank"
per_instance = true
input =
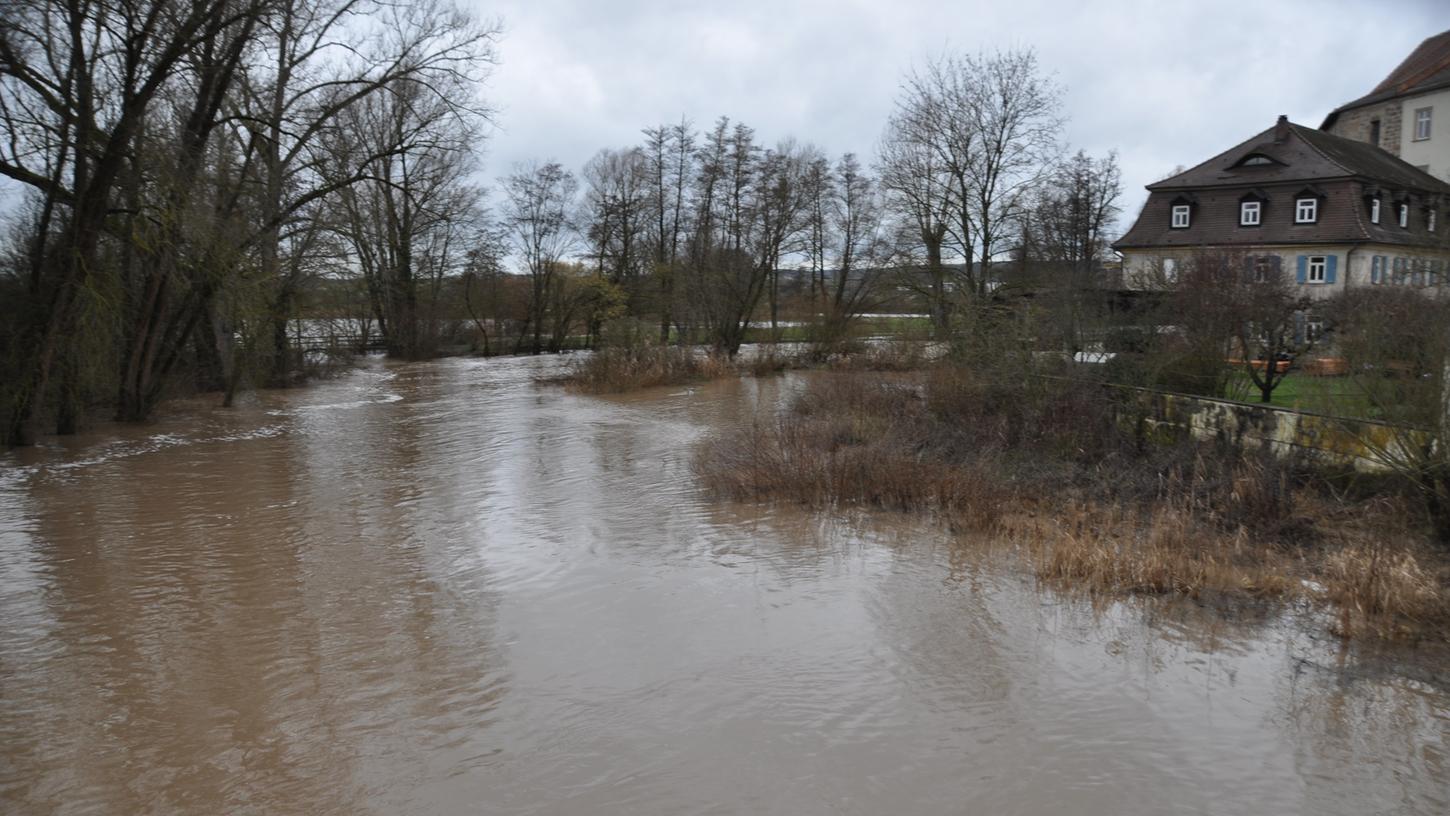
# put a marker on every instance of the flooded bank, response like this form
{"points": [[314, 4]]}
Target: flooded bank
{"points": [[445, 588]]}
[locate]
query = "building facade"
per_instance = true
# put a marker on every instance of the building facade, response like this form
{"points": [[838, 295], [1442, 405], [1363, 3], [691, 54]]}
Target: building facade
{"points": [[1408, 113], [1324, 212]]}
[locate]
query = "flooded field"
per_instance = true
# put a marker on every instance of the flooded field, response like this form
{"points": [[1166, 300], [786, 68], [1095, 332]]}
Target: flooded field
{"points": [[444, 588]]}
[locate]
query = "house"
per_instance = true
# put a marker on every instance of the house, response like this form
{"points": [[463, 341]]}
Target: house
{"points": [[1407, 114], [1326, 211]]}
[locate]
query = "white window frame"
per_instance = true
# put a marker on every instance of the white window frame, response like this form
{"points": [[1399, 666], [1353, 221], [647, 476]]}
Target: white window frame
{"points": [[1306, 210], [1184, 211], [1249, 213], [1423, 118], [1319, 263], [1430, 221], [1404, 216], [1374, 210]]}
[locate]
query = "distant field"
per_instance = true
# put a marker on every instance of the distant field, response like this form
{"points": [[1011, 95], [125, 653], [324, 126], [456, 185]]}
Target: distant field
{"points": [[872, 325]]}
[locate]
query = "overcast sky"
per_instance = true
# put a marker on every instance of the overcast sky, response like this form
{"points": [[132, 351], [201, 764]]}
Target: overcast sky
{"points": [[1164, 83]]}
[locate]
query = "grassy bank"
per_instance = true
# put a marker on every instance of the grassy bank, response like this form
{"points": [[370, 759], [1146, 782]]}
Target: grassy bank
{"points": [[1047, 468]]}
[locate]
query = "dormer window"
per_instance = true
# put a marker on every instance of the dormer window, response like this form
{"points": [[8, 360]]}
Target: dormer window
{"points": [[1249, 212], [1256, 160], [1404, 216], [1180, 216], [1306, 210], [1374, 210]]}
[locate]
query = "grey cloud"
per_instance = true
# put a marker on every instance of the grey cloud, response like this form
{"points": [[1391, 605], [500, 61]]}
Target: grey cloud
{"points": [[1163, 83]]}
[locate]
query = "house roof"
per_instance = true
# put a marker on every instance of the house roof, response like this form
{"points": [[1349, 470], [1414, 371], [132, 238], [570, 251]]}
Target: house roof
{"points": [[1339, 171], [1215, 220], [1302, 154], [1427, 68]]}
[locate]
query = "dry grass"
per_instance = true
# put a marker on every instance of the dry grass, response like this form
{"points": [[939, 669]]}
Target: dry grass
{"points": [[849, 441], [1386, 589], [1192, 519], [1106, 549], [612, 370]]}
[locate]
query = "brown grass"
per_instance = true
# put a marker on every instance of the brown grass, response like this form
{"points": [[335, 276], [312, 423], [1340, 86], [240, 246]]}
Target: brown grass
{"points": [[628, 367], [849, 441], [1386, 589], [612, 370], [1124, 518], [1159, 551]]}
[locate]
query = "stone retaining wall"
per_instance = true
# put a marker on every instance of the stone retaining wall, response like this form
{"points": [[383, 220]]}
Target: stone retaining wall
{"points": [[1362, 444]]}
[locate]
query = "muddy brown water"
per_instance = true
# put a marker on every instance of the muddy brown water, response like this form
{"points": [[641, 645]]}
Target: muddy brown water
{"points": [[442, 588]]}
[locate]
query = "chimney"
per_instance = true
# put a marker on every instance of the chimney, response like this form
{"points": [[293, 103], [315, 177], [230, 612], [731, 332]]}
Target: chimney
{"points": [[1281, 129]]}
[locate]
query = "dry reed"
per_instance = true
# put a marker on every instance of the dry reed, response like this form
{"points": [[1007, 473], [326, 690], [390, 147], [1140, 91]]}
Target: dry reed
{"points": [[1124, 518], [612, 370]]}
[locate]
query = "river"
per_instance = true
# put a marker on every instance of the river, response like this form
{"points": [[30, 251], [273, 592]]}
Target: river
{"points": [[444, 588]]}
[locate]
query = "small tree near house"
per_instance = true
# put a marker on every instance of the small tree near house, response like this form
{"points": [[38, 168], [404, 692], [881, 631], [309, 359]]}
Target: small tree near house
{"points": [[1273, 330], [1232, 306]]}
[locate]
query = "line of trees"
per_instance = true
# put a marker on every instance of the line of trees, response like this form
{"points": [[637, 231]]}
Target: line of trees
{"points": [[710, 232], [189, 167], [200, 177]]}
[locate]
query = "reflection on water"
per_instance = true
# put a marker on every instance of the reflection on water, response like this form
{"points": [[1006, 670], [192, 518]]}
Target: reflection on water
{"points": [[441, 588]]}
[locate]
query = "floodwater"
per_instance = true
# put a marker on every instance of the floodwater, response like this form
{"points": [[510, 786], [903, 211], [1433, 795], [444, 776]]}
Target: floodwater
{"points": [[442, 588]]}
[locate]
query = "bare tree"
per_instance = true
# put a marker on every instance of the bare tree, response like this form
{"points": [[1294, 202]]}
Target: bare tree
{"points": [[819, 187], [617, 211], [538, 214], [407, 222], [184, 157], [1272, 327], [751, 205], [856, 223], [669, 151], [77, 80], [326, 58], [917, 190], [1067, 231], [992, 124]]}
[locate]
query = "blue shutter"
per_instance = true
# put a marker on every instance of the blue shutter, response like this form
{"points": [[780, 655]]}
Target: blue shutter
{"points": [[1302, 275], [1330, 262], [1377, 269]]}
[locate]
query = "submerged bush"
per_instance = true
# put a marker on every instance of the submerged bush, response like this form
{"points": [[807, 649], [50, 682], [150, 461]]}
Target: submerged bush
{"points": [[631, 357], [1048, 465]]}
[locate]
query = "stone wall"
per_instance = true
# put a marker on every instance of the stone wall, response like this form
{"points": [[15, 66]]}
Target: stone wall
{"points": [[1354, 124], [1361, 444]]}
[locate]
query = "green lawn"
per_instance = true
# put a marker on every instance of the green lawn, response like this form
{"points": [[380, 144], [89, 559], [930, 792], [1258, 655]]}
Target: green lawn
{"points": [[1325, 395]]}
